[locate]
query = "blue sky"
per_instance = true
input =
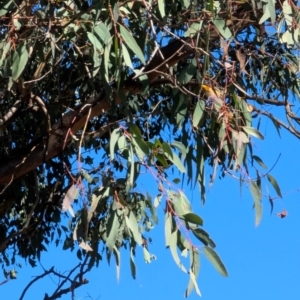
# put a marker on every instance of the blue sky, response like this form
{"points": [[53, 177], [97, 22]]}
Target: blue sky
{"points": [[263, 262]]}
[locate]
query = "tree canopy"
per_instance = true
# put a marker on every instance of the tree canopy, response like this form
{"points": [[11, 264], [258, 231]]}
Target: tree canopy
{"points": [[97, 95]]}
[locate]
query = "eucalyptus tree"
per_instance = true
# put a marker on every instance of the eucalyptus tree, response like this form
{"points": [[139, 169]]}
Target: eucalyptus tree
{"points": [[96, 94]]}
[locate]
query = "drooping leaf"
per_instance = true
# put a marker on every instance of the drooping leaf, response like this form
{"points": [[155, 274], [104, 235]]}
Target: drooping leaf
{"points": [[214, 258], [71, 194], [173, 245], [198, 112], [256, 194], [259, 161], [132, 264], [113, 225], [168, 228], [131, 43], [113, 140], [131, 222], [194, 269], [275, 185], [19, 61], [147, 256], [203, 237], [117, 255]]}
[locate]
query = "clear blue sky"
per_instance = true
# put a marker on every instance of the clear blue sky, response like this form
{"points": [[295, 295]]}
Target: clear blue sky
{"points": [[263, 263]]}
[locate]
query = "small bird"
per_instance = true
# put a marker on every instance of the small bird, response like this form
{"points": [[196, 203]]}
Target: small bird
{"points": [[214, 96]]}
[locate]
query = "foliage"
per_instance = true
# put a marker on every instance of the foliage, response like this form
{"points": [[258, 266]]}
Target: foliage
{"points": [[157, 87]]}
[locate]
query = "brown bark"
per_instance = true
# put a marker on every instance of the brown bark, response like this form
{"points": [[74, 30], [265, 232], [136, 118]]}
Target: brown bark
{"points": [[241, 16], [73, 121]]}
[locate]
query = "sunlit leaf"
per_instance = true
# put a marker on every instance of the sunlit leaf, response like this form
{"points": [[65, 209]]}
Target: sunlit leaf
{"points": [[131, 222], [85, 246], [173, 245], [131, 43], [254, 132], [256, 194], [117, 255], [168, 228]]}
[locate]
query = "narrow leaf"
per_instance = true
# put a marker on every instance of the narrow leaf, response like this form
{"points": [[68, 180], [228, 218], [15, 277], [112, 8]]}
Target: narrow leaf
{"points": [[256, 194], [113, 140], [193, 218], [259, 161], [198, 112], [131, 43], [254, 132], [275, 185], [173, 243], [214, 258]]}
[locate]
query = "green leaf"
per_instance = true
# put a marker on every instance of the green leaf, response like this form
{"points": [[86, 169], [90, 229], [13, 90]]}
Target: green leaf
{"points": [[214, 258], [187, 72], [113, 140], [181, 204], [252, 131], [256, 194], [102, 32], [87, 176], [113, 225], [193, 218], [178, 145], [203, 237], [6, 7], [198, 112], [194, 269], [176, 161], [223, 28], [275, 185], [126, 57], [259, 161], [132, 264], [19, 60], [131, 43], [173, 244], [132, 224], [168, 228], [118, 261], [147, 256], [161, 8], [94, 40], [167, 149], [135, 130]]}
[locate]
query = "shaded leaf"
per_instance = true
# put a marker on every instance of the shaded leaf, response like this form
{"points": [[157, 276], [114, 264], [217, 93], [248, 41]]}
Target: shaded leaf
{"points": [[259, 161], [19, 61], [275, 185], [198, 112], [113, 140], [193, 218], [214, 258]]}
